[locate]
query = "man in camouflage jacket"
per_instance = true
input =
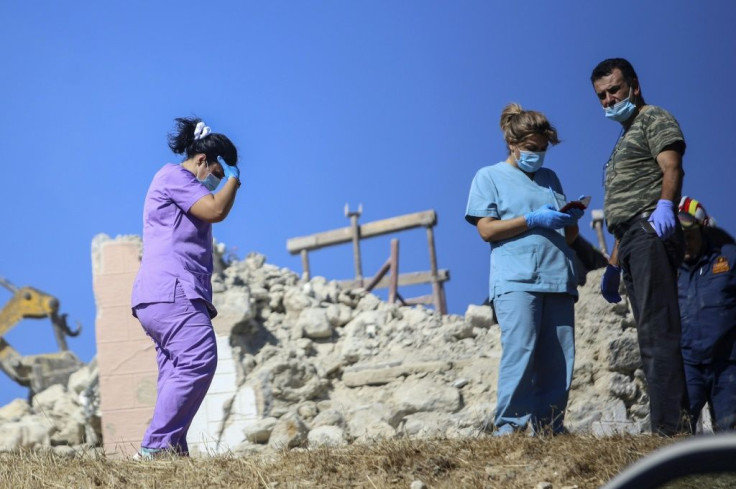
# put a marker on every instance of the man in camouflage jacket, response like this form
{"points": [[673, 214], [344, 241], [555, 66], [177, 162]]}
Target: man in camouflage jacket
{"points": [[643, 182]]}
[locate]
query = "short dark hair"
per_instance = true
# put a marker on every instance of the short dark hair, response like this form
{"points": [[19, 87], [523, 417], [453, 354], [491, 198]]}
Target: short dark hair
{"points": [[607, 66], [182, 141]]}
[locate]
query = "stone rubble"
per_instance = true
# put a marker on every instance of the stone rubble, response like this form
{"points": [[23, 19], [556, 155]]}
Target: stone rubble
{"points": [[333, 366]]}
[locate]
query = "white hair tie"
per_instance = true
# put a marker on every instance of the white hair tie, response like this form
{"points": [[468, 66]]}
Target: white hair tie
{"points": [[201, 130]]}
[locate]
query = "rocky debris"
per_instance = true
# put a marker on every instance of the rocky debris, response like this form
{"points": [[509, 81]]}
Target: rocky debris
{"points": [[337, 366], [326, 436], [331, 366], [260, 431], [15, 410], [288, 432], [65, 418]]}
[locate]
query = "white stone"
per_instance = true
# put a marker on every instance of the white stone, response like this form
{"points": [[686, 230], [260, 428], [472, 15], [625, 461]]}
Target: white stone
{"points": [[425, 395], [326, 436], [47, 399], [369, 423], [289, 432], [15, 410], [614, 421], [82, 378], [307, 410], [624, 354], [295, 300], [426, 425], [329, 417], [314, 323], [233, 307], [360, 332], [480, 316], [260, 430], [28, 433], [339, 315]]}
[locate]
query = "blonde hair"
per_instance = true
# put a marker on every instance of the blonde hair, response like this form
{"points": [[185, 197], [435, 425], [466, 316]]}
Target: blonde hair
{"points": [[518, 124]]}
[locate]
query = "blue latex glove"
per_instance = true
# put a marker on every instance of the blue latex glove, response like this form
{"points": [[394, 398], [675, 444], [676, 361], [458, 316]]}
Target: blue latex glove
{"points": [[548, 217], [663, 219], [610, 282], [230, 171]]}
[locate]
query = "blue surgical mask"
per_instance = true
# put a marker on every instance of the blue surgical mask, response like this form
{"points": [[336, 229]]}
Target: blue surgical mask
{"points": [[530, 161], [210, 182], [621, 111]]}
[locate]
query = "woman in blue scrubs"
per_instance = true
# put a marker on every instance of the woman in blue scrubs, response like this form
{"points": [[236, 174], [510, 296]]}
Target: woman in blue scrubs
{"points": [[515, 205]]}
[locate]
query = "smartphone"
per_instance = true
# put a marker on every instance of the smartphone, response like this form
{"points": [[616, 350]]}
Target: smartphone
{"points": [[578, 204]]}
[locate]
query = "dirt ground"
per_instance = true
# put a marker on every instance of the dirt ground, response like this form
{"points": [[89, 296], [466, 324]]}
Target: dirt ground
{"points": [[513, 462]]}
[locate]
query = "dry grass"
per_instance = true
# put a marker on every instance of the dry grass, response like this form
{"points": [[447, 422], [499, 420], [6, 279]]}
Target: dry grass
{"points": [[484, 462]]}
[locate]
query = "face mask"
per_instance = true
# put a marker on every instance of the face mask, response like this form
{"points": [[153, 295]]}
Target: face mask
{"points": [[621, 111], [530, 161], [210, 182]]}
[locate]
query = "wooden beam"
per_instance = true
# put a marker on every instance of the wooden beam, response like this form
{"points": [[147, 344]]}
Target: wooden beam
{"points": [[412, 278], [368, 230], [423, 299], [377, 277]]}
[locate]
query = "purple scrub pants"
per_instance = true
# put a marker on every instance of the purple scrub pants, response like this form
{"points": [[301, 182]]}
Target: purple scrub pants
{"points": [[186, 354]]}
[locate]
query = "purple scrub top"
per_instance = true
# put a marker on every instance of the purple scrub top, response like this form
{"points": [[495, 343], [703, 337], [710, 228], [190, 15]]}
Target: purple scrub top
{"points": [[177, 247]]}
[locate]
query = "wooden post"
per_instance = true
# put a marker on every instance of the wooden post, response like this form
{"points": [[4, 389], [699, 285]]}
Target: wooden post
{"points": [[597, 224], [305, 265], [355, 232], [393, 286], [437, 292]]}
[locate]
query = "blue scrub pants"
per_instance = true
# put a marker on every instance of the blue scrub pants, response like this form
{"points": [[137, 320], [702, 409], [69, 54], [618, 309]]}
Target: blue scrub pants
{"points": [[716, 385], [186, 353], [538, 341]]}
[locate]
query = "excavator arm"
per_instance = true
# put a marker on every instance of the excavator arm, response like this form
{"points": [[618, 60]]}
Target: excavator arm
{"points": [[35, 371]]}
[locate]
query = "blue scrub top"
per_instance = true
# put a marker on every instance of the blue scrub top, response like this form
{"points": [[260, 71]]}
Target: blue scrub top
{"points": [[537, 260]]}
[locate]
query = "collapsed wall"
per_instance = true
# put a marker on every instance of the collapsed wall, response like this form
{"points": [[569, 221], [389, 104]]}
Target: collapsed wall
{"points": [[308, 364]]}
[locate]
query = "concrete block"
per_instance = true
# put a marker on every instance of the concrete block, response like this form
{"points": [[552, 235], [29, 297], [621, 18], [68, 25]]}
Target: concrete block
{"points": [[123, 430], [116, 323], [126, 357], [113, 290], [119, 257]]}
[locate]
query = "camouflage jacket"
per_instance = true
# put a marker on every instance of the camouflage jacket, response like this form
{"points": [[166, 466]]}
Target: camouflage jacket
{"points": [[633, 179]]}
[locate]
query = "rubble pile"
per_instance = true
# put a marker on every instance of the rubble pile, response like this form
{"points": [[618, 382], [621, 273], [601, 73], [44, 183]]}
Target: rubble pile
{"points": [[332, 366], [64, 417]]}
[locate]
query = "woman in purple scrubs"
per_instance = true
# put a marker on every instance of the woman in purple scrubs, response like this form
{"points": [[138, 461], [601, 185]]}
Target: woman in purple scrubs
{"points": [[172, 294]]}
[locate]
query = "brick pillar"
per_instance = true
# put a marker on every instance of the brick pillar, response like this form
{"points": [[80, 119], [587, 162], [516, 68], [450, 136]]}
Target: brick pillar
{"points": [[125, 355]]}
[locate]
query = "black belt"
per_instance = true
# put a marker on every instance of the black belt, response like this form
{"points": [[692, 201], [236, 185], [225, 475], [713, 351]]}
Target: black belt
{"points": [[619, 230]]}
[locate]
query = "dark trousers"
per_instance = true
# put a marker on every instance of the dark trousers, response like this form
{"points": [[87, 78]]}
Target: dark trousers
{"points": [[650, 276], [715, 384]]}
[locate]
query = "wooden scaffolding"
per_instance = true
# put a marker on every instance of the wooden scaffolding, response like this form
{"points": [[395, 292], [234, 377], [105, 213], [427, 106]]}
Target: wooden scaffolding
{"points": [[356, 232]]}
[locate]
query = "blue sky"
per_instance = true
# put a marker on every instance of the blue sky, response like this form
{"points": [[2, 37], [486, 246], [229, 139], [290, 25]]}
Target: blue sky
{"points": [[394, 105]]}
